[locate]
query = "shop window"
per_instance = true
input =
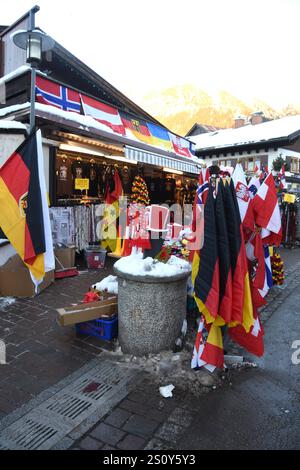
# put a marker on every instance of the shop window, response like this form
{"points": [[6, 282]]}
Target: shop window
{"points": [[295, 165], [249, 164]]}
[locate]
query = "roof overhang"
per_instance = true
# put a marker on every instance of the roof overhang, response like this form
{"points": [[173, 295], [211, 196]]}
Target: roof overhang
{"points": [[135, 150]]}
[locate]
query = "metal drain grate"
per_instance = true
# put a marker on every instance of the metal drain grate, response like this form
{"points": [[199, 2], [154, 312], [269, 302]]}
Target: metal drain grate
{"points": [[47, 424]]}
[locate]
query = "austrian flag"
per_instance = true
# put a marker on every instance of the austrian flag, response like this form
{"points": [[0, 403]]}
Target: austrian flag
{"points": [[107, 115]]}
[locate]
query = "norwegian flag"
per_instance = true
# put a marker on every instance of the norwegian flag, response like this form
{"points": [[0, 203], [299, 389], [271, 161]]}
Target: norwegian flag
{"points": [[54, 94], [266, 211], [253, 186], [281, 178], [268, 273], [203, 186]]}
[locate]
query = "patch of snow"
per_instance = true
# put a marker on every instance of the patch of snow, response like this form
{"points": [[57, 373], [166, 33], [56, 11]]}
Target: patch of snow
{"points": [[14, 108], [12, 125], [108, 284], [265, 131], [166, 391], [6, 301], [137, 266], [15, 73]]}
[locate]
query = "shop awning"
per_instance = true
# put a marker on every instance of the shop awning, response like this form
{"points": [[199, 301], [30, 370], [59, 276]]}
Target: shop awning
{"points": [[161, 160]]}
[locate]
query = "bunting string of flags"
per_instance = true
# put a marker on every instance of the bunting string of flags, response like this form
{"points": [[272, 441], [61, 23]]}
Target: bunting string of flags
{"points": [[232, 273], [113, 119]]}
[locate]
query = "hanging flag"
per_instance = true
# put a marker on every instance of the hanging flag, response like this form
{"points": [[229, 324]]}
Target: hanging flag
{"points": [[255, 254], [281, 178], [213, 353], [253, 186], [243, 197], [181, 146], [225, 293], [205, 267], [24, 215], [257, 167], [103, 113], [54, 94], [160, 137], [136, 128], [268, 273], [266, 211], [242, 311], [214, 350], [252, 340]]}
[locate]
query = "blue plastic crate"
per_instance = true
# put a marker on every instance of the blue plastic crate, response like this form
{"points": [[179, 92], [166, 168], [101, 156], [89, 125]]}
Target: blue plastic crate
{"points": [[103, 329]]}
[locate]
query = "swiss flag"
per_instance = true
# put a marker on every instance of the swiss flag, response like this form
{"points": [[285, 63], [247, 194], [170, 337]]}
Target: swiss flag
{"points": [[266, 210]]}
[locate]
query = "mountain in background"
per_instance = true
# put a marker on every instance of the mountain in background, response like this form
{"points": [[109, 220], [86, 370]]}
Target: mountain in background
{"points": [[178, 108]]}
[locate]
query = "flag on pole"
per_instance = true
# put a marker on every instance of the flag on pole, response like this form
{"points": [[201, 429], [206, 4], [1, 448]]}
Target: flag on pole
{"points": [[266, 211], [243, 197], [241, 300], [252, 340], [225, 293], [205, 267], [24, 215], [208, 354], [281, 178]]}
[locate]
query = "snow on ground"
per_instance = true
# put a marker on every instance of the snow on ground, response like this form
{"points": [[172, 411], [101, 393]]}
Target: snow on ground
{"points": [[108, 284], [6, 301], [137, 266]]}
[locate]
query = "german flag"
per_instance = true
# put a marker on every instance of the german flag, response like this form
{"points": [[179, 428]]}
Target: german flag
{"points": [[225, 295], [242, 309], [21, 213], [137, 127], [205, 268]]}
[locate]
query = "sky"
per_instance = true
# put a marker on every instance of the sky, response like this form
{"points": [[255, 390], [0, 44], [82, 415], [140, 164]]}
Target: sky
{"points": [[247, 47]]}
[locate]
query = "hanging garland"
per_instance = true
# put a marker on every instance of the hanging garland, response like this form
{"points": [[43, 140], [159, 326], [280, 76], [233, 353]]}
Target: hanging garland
{"points": [[277, 269], [139, 191]]}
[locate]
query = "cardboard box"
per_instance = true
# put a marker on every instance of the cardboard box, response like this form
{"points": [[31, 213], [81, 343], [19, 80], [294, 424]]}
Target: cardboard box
{"points": [[66, 256], [88, 311], [15, 280]]}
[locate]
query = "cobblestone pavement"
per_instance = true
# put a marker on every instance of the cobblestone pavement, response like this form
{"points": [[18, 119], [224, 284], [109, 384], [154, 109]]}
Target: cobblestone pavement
{"points": [[145, 420], [39, 351]]}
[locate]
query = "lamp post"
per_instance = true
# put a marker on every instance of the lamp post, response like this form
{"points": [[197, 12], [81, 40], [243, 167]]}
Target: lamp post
{"points": [[34, 42]]}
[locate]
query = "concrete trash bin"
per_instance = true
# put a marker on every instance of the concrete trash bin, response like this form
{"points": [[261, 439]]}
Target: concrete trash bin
{"points": [[151, 311]]}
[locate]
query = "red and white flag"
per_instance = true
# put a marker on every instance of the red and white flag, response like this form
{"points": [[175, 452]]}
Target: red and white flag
{"points": [[243, 196], [266, 211], [281, 178], [107, 115]]}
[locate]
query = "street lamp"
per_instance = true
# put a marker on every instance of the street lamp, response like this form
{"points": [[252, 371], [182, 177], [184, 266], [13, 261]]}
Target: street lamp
{"points": [[34, 42]]}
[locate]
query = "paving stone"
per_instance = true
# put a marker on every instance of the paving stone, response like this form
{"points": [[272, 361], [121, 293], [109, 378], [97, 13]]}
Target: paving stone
{"points": [[169, 432], [133, 407], [140, 425], [131, 442], [118, 417], [108, 447], [107, 434], [181, 417], [88, 443], [158, 444]]}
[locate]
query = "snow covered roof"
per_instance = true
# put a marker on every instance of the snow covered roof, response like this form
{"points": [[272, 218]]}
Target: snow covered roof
{"points": [[267, 131], [12, 125], [19, 71], [88, 123]]}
